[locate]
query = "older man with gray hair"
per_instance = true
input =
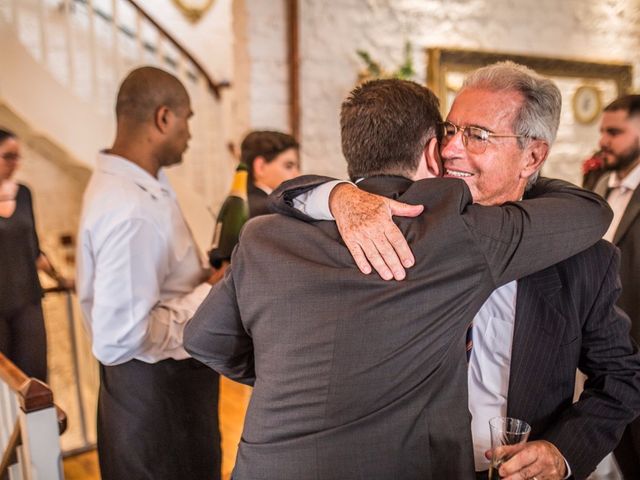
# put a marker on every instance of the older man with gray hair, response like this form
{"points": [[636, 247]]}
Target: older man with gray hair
{"points": [[532, 334]]}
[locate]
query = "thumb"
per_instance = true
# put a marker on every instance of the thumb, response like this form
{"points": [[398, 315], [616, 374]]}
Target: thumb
{"points": [[400, 209]]}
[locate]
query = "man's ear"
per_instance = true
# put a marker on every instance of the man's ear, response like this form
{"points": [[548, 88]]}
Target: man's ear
{"points": [[536, 153], [162, 118], [432, 155], [258, 166]]}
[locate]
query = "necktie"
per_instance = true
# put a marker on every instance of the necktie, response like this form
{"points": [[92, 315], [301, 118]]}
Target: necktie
{"points": [[469, 340]]}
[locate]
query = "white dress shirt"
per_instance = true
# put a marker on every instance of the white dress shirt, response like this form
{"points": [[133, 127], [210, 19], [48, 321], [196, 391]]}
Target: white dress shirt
{"points": [[619, 197], [140, 275], [489, 366]]}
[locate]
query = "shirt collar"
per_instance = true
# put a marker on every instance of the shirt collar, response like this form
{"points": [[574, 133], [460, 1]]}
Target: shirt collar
{"points": [[630, 182], [127, 170]]}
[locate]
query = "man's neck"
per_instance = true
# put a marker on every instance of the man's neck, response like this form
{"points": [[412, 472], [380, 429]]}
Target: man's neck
{"points": [[140, 157]]}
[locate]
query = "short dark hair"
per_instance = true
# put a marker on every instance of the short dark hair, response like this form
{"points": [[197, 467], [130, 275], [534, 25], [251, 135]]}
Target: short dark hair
{"points": [[264, 143], [628, 103], [385, 126], [5, 134], [144, 90]]}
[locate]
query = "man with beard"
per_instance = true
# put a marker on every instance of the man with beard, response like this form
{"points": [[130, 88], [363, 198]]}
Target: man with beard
{"points": [[620, 145]]}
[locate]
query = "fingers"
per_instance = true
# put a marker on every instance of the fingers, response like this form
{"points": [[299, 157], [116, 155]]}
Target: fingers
{"points": [[400, 209], [364, 221], [539, 459]]}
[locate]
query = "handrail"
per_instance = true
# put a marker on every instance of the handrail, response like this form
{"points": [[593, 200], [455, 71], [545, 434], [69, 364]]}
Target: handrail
{"points": [[214, 86], [33, 394]]}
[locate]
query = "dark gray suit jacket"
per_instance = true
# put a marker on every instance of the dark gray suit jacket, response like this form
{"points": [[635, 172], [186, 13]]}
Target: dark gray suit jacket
{"points": [[566, 318], [627, 239], [358, 378]]}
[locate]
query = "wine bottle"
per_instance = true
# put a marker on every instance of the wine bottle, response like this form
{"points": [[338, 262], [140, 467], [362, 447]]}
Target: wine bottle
{"points": [[233, 214]]}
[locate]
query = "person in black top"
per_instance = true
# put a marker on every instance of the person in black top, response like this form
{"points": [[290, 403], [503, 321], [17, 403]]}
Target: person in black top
{"points": [[271, 158], [22, 332]]}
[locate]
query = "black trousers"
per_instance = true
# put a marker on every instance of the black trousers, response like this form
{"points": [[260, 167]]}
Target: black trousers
{"points": [[159, 421], [627, 452], [23, 340]]}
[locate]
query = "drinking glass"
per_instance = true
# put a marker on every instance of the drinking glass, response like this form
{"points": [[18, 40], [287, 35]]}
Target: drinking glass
{"points": [[505, 431]]}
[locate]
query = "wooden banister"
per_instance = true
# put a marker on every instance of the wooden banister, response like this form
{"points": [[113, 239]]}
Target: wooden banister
{"points": [[32, 393], [10, 455]]}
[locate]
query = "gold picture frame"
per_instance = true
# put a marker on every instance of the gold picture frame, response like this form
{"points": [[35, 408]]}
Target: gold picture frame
{"points": [[441, 62], [193, 9]]}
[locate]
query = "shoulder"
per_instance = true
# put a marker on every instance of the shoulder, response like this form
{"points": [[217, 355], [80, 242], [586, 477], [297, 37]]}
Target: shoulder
{"points": [[450, 192], [587, 269]]}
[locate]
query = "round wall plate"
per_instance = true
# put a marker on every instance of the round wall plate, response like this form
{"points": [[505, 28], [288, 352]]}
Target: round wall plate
{"points": [[587, 103]]}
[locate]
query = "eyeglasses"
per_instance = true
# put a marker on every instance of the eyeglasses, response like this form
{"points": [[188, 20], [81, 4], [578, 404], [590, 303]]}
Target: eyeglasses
{"points": [[474, 139]]}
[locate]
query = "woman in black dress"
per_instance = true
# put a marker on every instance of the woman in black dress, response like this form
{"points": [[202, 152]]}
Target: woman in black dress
{"points": [[22, 332]]}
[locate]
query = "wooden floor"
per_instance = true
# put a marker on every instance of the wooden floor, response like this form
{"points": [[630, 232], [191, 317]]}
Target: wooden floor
{"points": [[233, 405]]}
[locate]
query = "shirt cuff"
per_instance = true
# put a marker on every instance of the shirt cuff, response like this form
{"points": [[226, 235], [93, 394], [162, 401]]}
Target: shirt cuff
{"points": [[568, 469], [315, 202]]}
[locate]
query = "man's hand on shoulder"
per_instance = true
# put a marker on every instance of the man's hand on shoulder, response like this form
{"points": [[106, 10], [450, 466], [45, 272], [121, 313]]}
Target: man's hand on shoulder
{"points": [[364, 221], [538, 459]]}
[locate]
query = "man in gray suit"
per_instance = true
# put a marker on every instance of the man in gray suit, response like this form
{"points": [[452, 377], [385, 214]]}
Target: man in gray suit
{"points": [[355, 377], [620, 145], [531, 335]]}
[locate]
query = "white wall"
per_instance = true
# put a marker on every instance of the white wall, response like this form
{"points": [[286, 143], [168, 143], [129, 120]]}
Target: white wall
{"points": [[331, 33]]}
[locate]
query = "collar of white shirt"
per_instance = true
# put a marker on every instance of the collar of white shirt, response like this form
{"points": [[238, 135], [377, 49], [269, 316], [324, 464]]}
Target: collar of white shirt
{"points": [[126, 169], [630, 182]]}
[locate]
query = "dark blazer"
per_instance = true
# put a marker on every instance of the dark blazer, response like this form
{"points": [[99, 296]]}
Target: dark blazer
{"points": [[566, 318], [627, 239], [355, 377], [258, 201]]}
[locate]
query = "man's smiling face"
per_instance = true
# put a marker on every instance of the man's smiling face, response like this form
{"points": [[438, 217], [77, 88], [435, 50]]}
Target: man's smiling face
{"points": [[498, 174]]}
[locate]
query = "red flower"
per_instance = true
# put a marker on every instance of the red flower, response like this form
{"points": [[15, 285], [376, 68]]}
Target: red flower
{"points": [[592, 164]]}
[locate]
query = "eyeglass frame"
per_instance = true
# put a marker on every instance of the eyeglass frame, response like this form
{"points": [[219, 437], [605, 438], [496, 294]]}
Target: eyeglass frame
{"points": [[465, 138]]}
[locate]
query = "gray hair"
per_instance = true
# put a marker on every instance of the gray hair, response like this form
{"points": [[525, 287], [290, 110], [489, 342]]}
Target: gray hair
{"points": [[539, 115]]}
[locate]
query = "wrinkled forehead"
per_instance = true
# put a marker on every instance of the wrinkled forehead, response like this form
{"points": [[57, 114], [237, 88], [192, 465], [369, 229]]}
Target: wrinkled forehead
{"points": [[494, 110]]}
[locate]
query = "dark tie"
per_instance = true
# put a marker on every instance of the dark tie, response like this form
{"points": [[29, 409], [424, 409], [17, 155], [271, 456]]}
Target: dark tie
{"points": [[469, 340]]}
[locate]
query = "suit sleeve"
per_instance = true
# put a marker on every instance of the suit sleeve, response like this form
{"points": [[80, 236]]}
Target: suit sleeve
{"points": [[590, 428], [215, 335], [520, 238], [281, 199]]}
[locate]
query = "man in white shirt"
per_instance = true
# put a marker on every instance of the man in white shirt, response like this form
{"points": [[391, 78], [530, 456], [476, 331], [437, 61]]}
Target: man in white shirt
{"points": [[140, 279], [566, 317], [620, 145]]}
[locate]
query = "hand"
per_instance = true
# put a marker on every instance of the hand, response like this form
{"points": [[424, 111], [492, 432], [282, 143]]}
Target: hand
{"points": [[67, 283], [218, 273], [364, 221], [539, 459]]}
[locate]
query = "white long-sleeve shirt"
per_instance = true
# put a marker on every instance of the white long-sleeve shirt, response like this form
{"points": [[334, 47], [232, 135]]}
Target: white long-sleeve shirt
{"points": [[139, 275]]}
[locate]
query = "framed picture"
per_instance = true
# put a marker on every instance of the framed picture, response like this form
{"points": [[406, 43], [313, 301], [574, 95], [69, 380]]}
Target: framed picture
{"points": [[587, 87]]}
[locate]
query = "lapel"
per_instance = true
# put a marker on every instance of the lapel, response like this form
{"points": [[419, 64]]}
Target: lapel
{"points": [[536, 339], [602, 185], [629, 215]]}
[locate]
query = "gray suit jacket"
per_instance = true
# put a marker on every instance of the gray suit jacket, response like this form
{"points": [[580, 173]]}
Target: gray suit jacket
{"points": [[627, 239], [358, 378]]}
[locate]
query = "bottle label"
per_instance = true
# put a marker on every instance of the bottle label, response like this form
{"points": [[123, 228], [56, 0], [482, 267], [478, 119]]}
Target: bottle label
{"points": [[216, 236]]}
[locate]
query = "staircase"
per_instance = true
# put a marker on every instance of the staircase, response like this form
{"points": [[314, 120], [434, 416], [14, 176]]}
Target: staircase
{"points": [[63, 61]]}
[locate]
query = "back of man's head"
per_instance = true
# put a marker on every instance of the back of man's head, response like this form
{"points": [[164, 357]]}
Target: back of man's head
{"points": [[539, 116], [628, 103], [146, 89], [385, 127]]}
